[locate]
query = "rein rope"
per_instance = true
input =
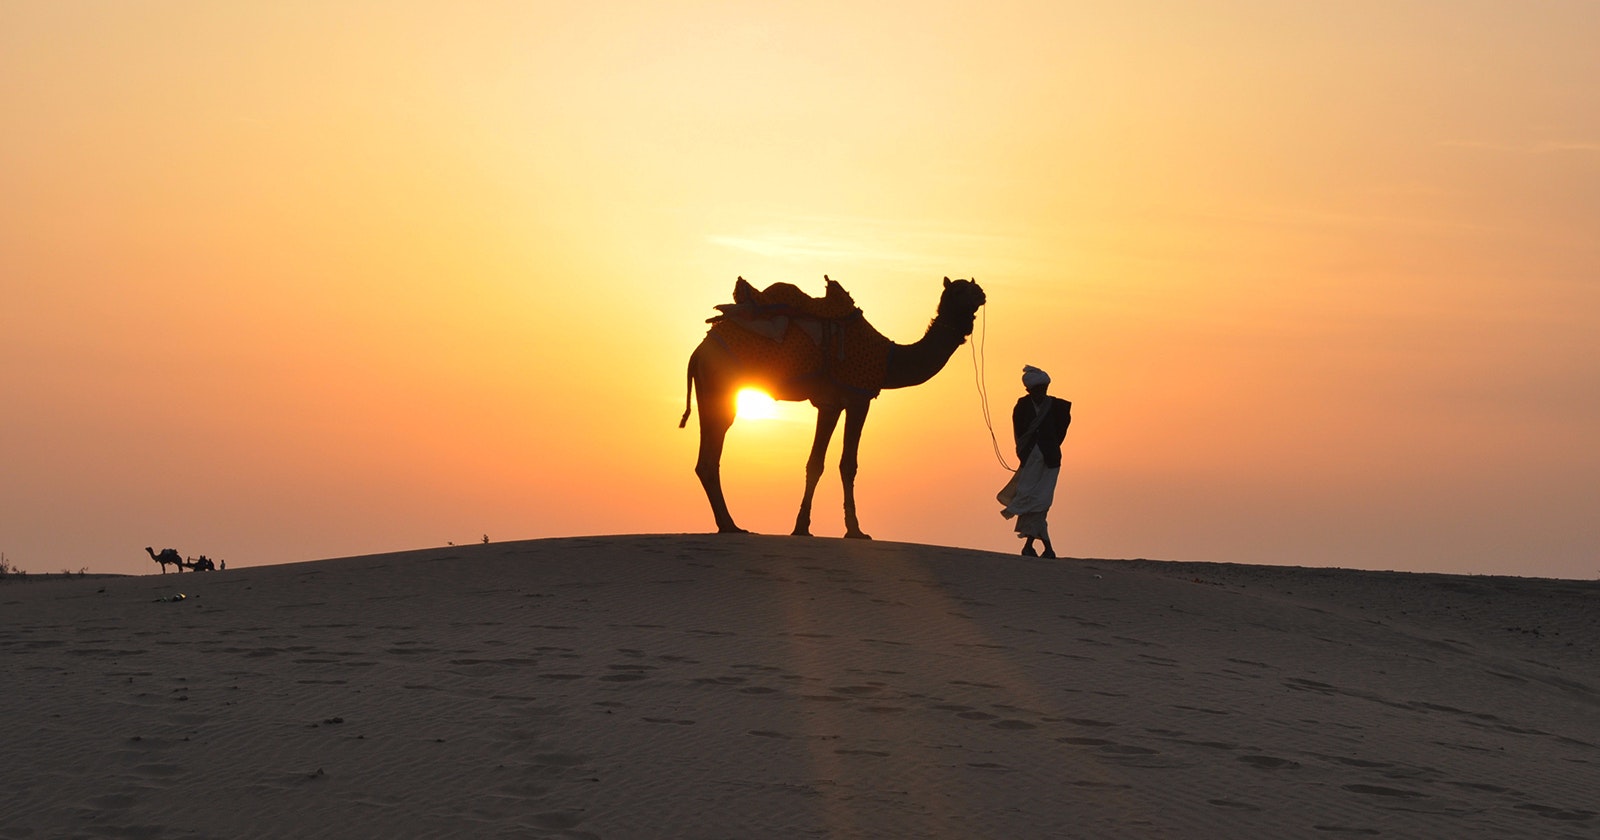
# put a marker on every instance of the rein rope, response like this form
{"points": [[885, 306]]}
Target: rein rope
{"points": [[980, 369]]}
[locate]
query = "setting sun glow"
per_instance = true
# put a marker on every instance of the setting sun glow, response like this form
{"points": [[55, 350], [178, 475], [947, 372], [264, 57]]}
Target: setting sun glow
{"points": [[754, 404]]}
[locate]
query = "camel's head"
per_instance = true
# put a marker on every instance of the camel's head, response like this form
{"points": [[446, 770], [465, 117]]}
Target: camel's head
{"points": [[961, 297]]}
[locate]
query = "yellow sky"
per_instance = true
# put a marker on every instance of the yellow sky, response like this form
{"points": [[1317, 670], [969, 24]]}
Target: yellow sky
{"points": [[288, 281]]}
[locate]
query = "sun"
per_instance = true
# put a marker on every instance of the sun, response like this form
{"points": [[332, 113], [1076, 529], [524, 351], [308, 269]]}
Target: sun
{"points": [[754, 404]]}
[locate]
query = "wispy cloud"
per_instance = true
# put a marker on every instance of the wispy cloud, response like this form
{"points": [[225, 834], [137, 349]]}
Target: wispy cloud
{"points": [[1541, 147], [839, 240], [1569, 146], [799, 246]]}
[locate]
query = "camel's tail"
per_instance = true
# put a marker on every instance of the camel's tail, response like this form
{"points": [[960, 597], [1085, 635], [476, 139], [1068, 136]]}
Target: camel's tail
{"points": [[688, 397]]}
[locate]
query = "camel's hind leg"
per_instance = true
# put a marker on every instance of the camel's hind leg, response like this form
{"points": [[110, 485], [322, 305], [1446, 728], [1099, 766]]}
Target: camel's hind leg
{"points": [[716, 415], [827, 419]]}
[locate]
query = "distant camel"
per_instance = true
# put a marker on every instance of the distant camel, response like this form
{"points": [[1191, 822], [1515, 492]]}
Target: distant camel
{"points": [[167, 555], [838, 362]]}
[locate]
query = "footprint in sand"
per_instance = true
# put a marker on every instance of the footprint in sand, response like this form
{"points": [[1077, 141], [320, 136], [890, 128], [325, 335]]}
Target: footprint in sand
{"points": [[720, 680], [1210, 745], [556, 821], [560, 759], [1482, 787], [525, 790], [1267, 762], [158, 771], [627, 673], [1376, 790], [1080, 721], [115, 801], [1548, 812], [1357, 762], [1125, 749], [1201, 709]]}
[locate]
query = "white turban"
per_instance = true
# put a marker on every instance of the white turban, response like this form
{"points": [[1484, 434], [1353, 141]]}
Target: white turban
{"points": [[1032, 376]]}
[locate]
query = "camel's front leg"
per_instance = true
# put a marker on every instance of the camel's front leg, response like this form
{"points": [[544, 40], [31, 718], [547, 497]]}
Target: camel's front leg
{"points": [[827, 418], [855, 419]]}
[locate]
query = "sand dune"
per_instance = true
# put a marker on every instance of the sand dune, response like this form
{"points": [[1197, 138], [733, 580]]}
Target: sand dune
{"points": [[772, 687]]}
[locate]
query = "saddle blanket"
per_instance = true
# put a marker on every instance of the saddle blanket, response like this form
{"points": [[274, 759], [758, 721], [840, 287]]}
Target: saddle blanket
{"points": [[830, 338]]}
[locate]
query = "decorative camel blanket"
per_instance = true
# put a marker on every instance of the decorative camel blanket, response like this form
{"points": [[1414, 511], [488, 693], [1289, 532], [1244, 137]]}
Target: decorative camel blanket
{"points": [[791, 337]]}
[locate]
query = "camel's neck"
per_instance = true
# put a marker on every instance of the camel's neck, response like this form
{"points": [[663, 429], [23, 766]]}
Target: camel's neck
{"points": [[914, 364]]}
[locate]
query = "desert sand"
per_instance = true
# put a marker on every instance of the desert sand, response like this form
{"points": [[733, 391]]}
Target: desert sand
{"points": [[709, 686]]}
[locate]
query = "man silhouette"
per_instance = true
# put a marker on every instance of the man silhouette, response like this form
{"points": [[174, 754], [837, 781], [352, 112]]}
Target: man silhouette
{"points": [[1039, 423]]}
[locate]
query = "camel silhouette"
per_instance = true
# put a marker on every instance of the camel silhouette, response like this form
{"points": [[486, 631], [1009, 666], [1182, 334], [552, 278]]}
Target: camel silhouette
{"points": [[823, 352], [171, 555], [167, 555]]}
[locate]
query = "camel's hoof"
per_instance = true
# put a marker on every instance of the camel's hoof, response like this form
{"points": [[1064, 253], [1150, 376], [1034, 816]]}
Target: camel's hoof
{"points": [[800, 532], [732, 529], [857, 535]]}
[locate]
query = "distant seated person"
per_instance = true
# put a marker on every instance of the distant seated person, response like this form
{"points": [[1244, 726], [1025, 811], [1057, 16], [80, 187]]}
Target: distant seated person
{"points": [[1039, 423]]}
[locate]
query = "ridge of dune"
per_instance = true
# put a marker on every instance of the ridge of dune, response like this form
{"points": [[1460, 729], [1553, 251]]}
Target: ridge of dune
{"points": [[751, 686]]}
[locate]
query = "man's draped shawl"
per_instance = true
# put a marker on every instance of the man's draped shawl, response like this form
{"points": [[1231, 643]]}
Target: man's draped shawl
{"points": [[789, 337]]}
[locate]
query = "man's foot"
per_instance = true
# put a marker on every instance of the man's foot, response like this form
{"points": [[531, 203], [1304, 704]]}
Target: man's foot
{"points": [[1049, 553], [1028, 551]]}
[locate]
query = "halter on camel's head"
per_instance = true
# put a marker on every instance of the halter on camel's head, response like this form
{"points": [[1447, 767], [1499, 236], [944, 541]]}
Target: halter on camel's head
{"points": [[959, 304]]}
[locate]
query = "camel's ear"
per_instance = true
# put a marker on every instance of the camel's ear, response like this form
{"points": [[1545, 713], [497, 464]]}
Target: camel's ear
{"points": [[947, 282]]}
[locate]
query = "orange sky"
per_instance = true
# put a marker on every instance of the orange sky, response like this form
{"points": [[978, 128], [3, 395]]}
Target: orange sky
{"points": [[289, 281]]}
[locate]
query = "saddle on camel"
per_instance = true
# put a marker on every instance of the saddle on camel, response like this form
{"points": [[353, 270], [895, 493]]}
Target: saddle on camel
{"points": [[791, 336]]}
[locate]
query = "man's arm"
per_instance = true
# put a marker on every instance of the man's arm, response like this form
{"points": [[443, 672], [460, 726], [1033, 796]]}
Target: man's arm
{"points": [[1020, 420], [1061, 418]]}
